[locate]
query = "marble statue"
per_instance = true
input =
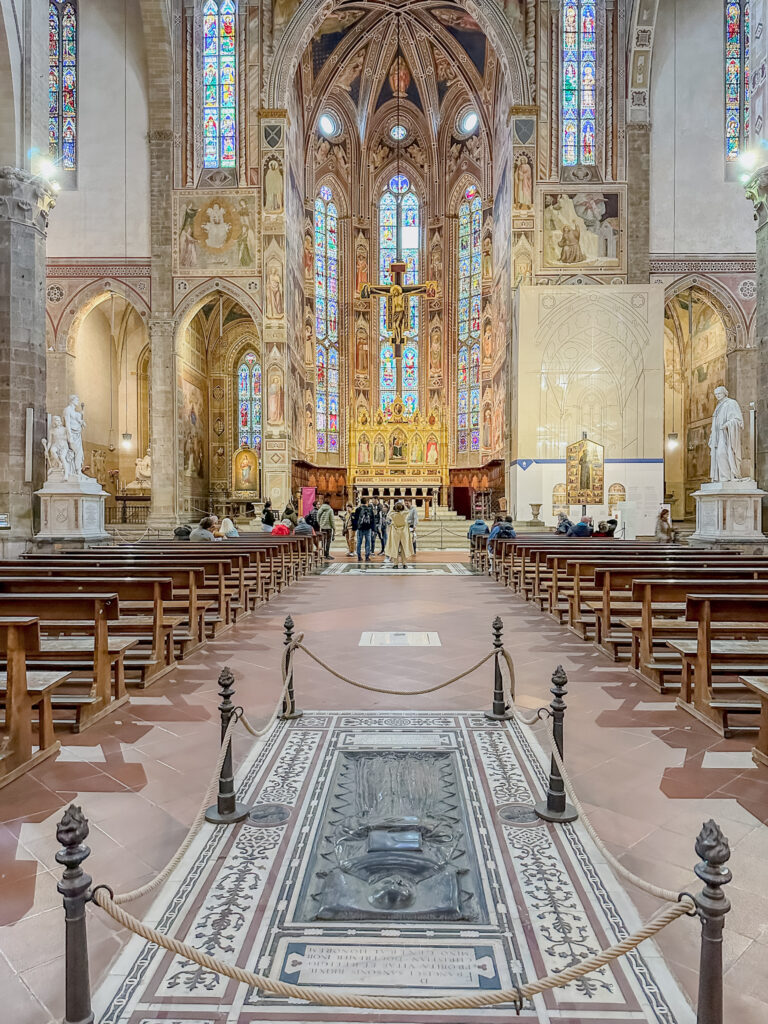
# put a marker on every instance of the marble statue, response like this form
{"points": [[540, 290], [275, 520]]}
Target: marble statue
{"points": [[59, 457], [725, 438], [143, 479], [74, 423]]}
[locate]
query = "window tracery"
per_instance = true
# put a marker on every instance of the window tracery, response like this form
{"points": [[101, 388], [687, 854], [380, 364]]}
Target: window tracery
{"points": [[468, 318], [578, 75], [219, 54], [399, 195], [62, 83], [327, 321], [249, 402], [737, 15]]}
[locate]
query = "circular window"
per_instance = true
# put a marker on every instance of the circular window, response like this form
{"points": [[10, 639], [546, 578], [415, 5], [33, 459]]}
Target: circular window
{"points": [[328, 125], [399, 183], [468, 122], [398, 132]]}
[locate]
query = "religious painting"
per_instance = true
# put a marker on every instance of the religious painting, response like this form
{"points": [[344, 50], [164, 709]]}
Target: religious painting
{"points": [[275, 396], [432, 451], [559, 504], [581, 230], [194, 429], [379, 451], [436, 349], [308, 253], [617, 494], [214, 232], [523, 182], [398, 448], [273, 186], [417, 451], [363, 451], [273, 290], [584, 467], [361, 263], [487, 432], [245, 470], [361, 351]]}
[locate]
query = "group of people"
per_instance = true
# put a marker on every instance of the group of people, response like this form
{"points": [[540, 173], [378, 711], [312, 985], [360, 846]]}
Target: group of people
{"points": [[585, 527], [209, 528], [362, 527]]}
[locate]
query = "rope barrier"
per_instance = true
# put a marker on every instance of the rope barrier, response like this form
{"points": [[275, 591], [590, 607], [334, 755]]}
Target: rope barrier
{"points": [[324, 997]]}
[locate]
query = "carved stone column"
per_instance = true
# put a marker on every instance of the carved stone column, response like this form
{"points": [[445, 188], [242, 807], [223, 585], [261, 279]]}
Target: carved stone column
{"points": [[25, 202], [757, 191], [163, 423]]}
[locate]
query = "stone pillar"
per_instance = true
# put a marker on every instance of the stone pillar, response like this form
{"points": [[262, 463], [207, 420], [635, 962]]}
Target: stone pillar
{"points": [[276, 455], [757, 191], [162, 423], [25, 202], [638, 202]]}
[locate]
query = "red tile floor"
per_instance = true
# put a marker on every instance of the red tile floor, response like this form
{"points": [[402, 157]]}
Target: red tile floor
{"points": [[647, 773]]}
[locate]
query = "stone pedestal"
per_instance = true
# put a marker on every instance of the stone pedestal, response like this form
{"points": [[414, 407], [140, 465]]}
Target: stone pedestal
{"points": [[72, 510], [728, 513]]}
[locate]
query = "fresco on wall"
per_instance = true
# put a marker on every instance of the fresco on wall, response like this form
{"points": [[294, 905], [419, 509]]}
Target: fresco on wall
{"points": [[194, 430], [581, 230], [214, 232]]}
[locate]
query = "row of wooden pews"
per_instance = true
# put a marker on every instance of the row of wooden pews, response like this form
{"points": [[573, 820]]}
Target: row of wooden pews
{"points": [[690, 620], [79, 628]]}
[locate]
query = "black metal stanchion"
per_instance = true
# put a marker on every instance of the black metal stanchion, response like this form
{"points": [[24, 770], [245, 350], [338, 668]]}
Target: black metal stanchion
{"points": [[712, 905], [500, 711], [75, 887], [226, 810], [555, 808], [289, 701]]}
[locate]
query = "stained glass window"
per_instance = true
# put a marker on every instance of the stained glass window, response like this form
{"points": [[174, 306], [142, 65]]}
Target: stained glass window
{"points": [[736, 78], [62, 84], [327, 320], [468, 316], [578, 74], [399, 203], [249, 397], [219, 83]]}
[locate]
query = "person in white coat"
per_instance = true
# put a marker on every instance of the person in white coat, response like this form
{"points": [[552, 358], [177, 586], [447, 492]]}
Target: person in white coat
{"points": [[399, 546]]}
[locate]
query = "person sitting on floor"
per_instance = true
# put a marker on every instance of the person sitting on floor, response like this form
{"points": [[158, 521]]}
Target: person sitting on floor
{"points": [[581, 529]]}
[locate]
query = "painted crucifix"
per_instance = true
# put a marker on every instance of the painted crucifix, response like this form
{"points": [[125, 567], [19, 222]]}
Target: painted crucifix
{"points": [[398, 309]]}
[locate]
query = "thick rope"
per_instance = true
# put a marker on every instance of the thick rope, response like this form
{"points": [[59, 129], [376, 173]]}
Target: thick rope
{"points": [[324, 997], [297, 645], [623, 872]]}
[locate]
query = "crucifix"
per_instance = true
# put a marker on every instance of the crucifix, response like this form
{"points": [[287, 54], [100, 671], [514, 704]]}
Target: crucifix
{"points": [[398, 307]]}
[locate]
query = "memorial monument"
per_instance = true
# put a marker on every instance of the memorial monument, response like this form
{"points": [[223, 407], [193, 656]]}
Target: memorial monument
{"points": [[143, 480], [71, 503], [728, 507]]}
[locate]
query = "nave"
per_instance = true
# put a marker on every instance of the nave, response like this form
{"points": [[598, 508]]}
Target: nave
{"points": [[647, 774]]}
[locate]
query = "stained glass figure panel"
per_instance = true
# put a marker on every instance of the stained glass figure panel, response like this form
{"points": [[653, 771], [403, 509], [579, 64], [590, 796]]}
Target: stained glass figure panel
{"points": [[219, 73], [469, 308], [248, 384], [737, 78], [62, 84], [578, 82], [327, 314]]}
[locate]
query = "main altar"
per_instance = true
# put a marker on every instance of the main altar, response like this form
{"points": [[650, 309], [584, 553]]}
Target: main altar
{"points": [[399, 454]]}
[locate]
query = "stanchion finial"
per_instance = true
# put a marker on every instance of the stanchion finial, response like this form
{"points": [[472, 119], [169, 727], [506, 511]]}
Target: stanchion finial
{"points": [[226, 810], [500, 710], [712, 905], [555, 807], [289, 698], [75, 886]]}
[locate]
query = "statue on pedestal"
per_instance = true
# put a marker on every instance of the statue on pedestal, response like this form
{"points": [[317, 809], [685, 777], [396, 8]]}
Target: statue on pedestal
{"points": [[59, 457], [143, 479], [725, 438], [74, 421]]}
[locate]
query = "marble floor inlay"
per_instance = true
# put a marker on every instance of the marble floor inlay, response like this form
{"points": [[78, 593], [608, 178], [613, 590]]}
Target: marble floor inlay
{"points": [[388, 569], [403, 639], [391, 852]]}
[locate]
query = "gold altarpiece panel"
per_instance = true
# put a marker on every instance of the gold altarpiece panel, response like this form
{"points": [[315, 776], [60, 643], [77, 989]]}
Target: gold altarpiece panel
{"points": [[396, 449]]}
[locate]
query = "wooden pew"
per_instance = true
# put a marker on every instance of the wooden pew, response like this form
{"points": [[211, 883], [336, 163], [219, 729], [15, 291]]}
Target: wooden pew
{"points": [[98, 609], [133, 593], [23, 693], [704, 656]]}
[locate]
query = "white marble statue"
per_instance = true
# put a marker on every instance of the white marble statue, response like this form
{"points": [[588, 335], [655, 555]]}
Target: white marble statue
{"points": [[59, 457], [725, 438], [144, 470], [74, 422]]}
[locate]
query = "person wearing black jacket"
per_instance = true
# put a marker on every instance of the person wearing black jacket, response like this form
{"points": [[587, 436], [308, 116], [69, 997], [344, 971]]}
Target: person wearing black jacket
{"points": [[267, 517], [311, 517]]}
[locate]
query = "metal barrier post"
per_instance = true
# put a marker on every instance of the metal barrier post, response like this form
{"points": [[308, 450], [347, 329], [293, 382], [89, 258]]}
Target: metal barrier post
{"points": [[75, 886], [226, 810], [289, 700], [500, 711], [712, 905], [555, 808]]}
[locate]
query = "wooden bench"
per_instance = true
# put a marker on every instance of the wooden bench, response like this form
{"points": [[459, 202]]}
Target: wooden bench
{"points": [[704, 656], [24, 692], [89, 698], [758, 685]]}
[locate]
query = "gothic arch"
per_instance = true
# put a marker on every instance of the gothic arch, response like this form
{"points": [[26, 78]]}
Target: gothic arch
{"points": [[87, 299], [721, 300], [195, 299], [303, 25]]}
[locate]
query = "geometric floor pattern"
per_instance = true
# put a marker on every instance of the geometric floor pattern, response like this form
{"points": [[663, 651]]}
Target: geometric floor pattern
{"points": [[541, 897], [386, 569]]}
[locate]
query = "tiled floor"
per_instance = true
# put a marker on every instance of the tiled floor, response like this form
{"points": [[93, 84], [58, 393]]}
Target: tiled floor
{"points": [[640, 766]]}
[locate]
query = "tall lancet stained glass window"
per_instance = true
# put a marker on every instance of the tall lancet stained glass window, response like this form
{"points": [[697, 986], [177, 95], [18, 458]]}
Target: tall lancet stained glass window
{"points": [[578, 76], [736, 78], [470, 295], [249, 396], [219, 83], [399, 188], [327, 321], [62, 84]]}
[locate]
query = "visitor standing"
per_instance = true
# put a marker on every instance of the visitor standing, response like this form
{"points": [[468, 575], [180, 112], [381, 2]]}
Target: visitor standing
{"points": [[384, 520], [290, 514], [364, 527], [327, 523], [348, 526], [399, 547], [267, 517], [413, 522], [312, 516]]}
